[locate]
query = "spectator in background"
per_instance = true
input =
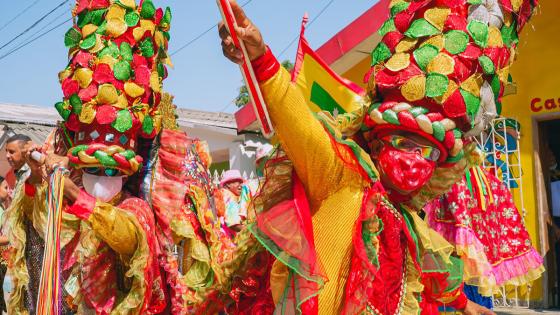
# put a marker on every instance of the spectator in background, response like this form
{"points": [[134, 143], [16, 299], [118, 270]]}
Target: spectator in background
{"points": [[232, 184], [5, 200], [16, 146]]}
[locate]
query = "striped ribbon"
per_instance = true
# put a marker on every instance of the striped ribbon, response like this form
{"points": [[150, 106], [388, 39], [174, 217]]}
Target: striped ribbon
{"points": [[48, 302]]}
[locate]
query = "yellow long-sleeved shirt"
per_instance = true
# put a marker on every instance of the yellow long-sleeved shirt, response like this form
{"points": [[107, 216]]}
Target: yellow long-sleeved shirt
{"points": [[335, 193]]}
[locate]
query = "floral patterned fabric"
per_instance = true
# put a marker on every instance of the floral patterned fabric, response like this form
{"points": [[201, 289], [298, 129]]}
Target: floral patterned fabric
{"points": [[485, 226]]}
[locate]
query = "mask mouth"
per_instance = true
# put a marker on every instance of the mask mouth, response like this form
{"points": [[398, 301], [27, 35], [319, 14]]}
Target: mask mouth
{"points": [[404, 172], [104, 188]]}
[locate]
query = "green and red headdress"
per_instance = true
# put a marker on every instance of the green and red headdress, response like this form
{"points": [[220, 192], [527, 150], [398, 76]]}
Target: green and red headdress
{"points": [[112, 85], [442, 67]]}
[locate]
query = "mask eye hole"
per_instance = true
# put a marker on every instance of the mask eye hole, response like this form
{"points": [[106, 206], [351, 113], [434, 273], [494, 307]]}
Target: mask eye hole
{"points": [[91, 170], [112, 172]]}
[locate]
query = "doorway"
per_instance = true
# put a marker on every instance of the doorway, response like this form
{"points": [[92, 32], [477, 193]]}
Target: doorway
{"points": [[548, 150]]}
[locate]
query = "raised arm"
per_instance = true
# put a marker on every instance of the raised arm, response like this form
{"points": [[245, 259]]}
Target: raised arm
{"points": [[302, 136]]}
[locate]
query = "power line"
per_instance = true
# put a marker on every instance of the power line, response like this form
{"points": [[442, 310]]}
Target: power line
{"points": [[201, 34], [34, 39], [56, 18], [19, 14], [34, 24], [308, 26]]}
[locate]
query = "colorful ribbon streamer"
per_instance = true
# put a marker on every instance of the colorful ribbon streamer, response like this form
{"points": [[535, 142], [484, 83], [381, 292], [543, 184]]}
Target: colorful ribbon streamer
{"points": [[49, 299]]}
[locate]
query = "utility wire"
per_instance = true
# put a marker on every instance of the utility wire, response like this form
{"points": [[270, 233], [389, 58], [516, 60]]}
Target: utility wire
{"points": [[35, 38], [201, 34], [308, 26], [34, 24], [19, 14]]}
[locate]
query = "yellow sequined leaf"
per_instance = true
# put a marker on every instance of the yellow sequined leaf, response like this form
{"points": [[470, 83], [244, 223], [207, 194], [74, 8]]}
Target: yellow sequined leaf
{"points": [[138, 32], [503, 74], [121, 103], [406, 44], [436, 41], [516, 5], [414, 89], [62, 75], [107, 94], [115, 12], [88, 30], [157, 122], [131, 4], [442, 63], [160, 39], [148, 26], [155, 82], [473, 84], [116, 27], [98, 44], [87, 115], [494, 37], [398, 62], [133, 90], [437, 16], [109, 60], [451, 88], [83, 76]]}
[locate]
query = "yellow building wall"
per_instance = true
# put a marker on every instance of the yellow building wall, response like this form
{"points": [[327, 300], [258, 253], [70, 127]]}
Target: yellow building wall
{"points": [[538, 94], [536, 73]]}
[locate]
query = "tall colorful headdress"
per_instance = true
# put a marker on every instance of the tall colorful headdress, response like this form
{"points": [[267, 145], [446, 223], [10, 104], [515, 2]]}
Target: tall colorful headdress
{"points": [[112, 85], [442, 66]]}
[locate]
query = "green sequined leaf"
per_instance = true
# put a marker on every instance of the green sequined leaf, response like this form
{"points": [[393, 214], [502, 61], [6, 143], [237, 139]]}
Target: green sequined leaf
{"points": [[509, 34], [421, 28], [436, 84], [475, 1], [487, 64], [456, 41], [76, 103], [98, 16], [72, 38], [479, 32], [88, 42], [122, 70], [84, 18], [148, 125], [62, 110], [131, 19], [387, 27], [123, 121], [399, 7], [147, 48], [148, 9], [496, 86], [166, 20], [472, 102], [112, 50], [424, 55], [102, 28], [380, 53], [126, 51]]}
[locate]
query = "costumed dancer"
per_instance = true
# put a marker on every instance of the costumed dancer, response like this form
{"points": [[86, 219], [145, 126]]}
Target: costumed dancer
{"points": [[207, 271], [112, 92], [479, 217], [357, 244]]}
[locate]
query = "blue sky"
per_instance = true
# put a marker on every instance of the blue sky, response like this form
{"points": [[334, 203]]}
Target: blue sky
{"points": [[202, 78]]}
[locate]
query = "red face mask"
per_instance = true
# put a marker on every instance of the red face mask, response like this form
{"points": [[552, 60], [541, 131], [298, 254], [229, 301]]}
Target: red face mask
{"points": [[405, 171]]}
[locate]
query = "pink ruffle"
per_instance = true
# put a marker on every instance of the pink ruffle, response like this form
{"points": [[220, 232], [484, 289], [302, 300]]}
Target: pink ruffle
{"points": [[477, 265]]}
